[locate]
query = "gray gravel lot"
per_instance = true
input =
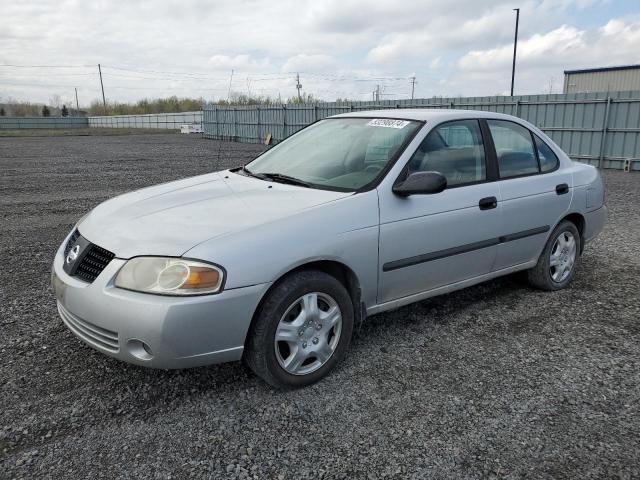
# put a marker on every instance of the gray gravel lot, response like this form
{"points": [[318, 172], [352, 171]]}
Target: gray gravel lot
{"points": [[498, 380]]}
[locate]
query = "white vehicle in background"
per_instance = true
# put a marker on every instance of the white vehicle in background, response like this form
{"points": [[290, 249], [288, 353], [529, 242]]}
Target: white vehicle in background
{"points": [[191, 128]]}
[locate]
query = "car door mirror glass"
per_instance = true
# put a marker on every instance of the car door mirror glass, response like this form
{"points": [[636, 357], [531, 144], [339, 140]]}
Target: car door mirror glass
{"points": [[421, 183]]}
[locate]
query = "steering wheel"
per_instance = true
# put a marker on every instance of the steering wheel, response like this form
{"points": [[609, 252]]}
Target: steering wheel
{"points": [[372, 168]]}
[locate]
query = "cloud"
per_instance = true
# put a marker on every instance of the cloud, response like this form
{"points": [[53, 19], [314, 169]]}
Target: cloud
{"points": [[436, 63], [551, 48], [225, 62], [463, 25], [309, 63], [453, 47], [541, 58]]}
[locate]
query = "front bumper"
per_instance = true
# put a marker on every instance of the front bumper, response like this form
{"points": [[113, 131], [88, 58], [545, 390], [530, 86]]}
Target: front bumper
{"points": [[179, 332]]}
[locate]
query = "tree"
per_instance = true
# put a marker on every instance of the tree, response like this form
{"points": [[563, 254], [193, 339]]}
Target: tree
{"points": [[45, 111], [305, 98], [2, 112], [55, 101], [65, 111]]}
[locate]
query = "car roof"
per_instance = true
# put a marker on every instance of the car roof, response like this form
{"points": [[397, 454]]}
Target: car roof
{"points": [[425, 114]]}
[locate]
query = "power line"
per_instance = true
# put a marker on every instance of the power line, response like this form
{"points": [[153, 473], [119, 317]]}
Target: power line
{"points": [[44, 66], [184, 80], [169, 75], [54, 74]]}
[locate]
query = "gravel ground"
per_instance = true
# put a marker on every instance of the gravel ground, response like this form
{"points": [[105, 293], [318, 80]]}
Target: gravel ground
{"points": [[497, 380]]}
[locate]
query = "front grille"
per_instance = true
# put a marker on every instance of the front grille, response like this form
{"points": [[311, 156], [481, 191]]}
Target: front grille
{"points": [[92, 264], [90, 333], [84, 259]]}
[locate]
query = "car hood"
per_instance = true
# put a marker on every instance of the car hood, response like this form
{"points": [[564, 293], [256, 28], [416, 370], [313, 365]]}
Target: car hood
{"points": [[171, 218]]}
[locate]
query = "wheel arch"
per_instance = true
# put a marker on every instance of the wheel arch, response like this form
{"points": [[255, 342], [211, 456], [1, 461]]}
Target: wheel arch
{"points": [[339, 270]]}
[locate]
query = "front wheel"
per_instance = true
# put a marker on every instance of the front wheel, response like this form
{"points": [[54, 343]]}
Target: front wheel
{"points": [[559, 260], [301, 331]]}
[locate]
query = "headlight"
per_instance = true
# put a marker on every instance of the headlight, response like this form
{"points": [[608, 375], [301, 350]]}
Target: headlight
{"points": [[170, 276]]}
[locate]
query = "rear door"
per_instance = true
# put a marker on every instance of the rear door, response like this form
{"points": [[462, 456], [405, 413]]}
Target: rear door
{"points": [[534, 191], [428, 241]]}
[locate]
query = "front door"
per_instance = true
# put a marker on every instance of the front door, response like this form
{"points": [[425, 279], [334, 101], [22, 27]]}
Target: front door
{"points": [[429, 241]]}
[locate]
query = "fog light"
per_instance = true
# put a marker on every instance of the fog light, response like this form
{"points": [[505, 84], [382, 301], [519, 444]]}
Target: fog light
{"points": [[139, 349]]}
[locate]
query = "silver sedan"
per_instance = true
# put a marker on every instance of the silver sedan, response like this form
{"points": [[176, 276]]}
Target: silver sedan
{"points": [[275, 262]]}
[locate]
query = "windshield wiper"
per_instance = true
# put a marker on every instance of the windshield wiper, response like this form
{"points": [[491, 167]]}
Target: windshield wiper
{"points": [[276, 177], [249, 173], [279, 177]]}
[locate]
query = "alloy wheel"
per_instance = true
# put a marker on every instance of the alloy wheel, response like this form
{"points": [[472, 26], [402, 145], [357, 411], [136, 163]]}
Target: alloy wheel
{"points": [[308, 333], [562, 257]]}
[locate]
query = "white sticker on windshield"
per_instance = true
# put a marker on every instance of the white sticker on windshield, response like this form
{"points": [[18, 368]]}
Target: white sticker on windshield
{"points": [[388, 123]]}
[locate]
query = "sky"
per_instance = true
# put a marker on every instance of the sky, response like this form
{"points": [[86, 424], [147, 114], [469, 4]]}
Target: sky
{"points": [[340, 48]]}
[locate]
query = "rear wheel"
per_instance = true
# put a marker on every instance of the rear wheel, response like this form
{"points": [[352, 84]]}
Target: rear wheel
{"points": [[302, 330], [559, 260]]}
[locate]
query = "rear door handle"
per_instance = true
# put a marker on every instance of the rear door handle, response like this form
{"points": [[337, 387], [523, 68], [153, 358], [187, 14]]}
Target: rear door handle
{"points": [[487, 203], [562, 189]]}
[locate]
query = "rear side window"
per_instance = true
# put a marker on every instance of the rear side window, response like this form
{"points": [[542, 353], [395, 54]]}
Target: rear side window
{"points": [[548, 160], [514, 147], [455, 150]]}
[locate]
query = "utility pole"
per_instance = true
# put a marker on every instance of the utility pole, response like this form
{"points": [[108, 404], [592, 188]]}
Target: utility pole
{"points": [[77, 105], [413, 86], [299, 87], [104, 102], [515, 48]]}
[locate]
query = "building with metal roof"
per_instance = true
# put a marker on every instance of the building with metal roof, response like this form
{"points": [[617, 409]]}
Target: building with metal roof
{"points": [[604, 79]]}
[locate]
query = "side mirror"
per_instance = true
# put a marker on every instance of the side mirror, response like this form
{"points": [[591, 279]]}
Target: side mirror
{"points": [[418, 183]]}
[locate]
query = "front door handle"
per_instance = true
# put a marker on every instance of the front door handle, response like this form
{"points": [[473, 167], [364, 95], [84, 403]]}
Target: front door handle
{"points": [[487, 203], [562, 189]]}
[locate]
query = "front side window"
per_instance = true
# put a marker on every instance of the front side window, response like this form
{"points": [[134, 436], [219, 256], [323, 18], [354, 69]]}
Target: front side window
{"points": [[514, 148], [455, 150], [337, 153], [548, 160]]}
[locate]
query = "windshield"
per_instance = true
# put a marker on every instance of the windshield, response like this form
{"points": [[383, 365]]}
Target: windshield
{"points": [[336, 153]]}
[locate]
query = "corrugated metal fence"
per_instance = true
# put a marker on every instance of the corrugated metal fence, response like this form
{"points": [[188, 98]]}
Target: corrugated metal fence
{"points": [[597, 128], [17, 123], [171, 121]]}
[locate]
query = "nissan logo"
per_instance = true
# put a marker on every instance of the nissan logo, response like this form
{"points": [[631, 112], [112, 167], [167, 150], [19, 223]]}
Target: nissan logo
{"points": [[73, 254]]}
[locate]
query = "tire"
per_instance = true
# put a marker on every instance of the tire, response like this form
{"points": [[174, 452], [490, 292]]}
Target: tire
{"points": [[546, 276], [302, 330]]}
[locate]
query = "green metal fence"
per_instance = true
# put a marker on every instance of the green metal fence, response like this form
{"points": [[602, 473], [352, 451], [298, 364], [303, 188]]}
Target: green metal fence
{"points": [[598, 128], [171, 121], [18, 123]]}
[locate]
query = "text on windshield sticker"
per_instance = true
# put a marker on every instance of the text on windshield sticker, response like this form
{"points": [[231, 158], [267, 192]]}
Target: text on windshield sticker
{"points": [[388, 123]]}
